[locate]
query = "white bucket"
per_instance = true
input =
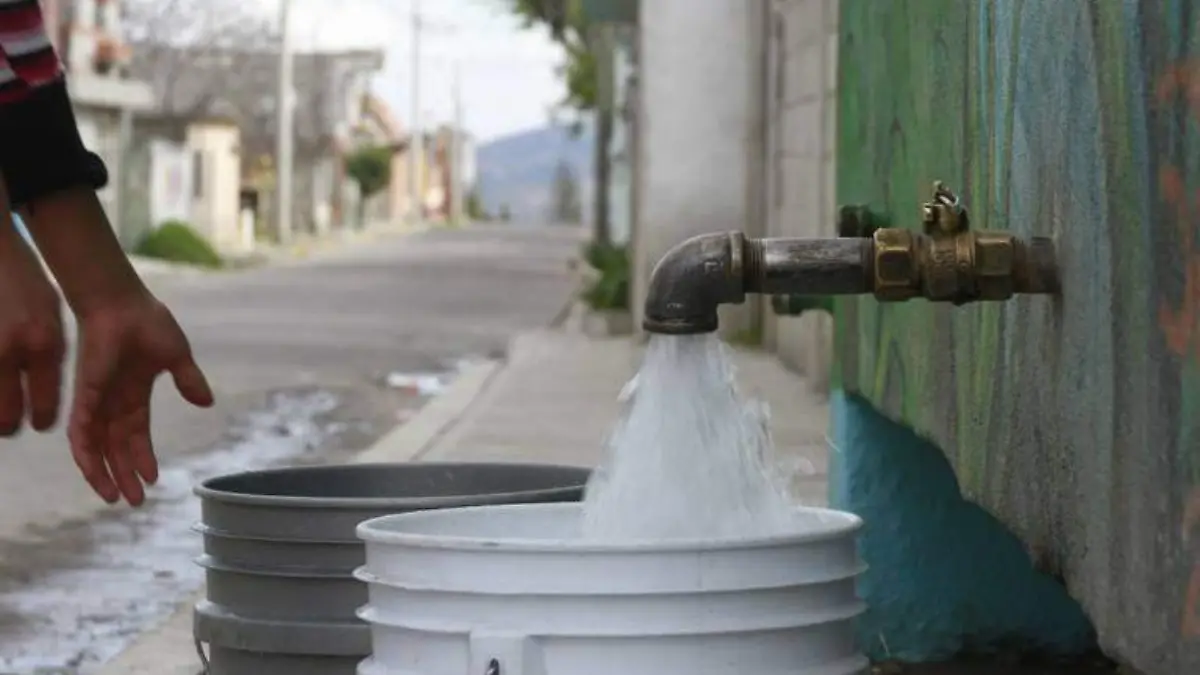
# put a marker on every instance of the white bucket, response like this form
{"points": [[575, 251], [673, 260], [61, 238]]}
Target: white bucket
{"points": [[513, 590]]}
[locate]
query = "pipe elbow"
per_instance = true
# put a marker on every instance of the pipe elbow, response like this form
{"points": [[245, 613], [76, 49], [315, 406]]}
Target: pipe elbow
{"points": [[692, 280]]}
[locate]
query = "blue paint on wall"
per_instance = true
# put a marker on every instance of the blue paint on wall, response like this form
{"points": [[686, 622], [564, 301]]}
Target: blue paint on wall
{"points": [[946, 578]]}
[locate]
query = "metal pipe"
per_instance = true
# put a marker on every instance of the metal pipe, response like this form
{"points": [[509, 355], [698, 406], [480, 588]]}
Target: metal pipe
{"points": [[698, 275], [895, 265]]}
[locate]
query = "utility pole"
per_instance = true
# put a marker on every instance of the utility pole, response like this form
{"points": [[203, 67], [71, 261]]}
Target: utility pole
{"points": [[416, 146], [457, 187], [285, 125]]}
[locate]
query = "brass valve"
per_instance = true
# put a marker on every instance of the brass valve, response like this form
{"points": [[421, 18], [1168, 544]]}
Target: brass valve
{"points": [[951, 263]]}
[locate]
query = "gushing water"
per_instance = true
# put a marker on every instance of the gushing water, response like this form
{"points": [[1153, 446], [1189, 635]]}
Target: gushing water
{"points": [[689, 456]]}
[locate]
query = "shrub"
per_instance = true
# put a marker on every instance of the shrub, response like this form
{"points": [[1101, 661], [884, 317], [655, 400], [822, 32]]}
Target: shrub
{"points": [[176, 241], [610, 289]]}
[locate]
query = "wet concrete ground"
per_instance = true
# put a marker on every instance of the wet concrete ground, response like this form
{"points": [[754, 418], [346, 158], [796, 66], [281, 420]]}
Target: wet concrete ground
{"points": [[300, 356], [78, 595]]}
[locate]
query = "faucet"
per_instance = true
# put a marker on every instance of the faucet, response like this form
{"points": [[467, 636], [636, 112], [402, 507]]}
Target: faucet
{"points": [[947, 262]]}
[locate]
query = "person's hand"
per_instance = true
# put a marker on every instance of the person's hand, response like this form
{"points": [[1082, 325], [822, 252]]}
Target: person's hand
{"points": [[123, 348], [127, 338], [31, 335]]}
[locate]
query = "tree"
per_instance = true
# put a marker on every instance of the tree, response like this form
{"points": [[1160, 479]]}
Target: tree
{"points": [[567, 207], [565, 21], [370, 168], [475, 210], [169, 38], [220, 58]]}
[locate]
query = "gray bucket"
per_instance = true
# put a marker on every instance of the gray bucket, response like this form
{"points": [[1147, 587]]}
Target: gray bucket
{"points": [[280, 550]]}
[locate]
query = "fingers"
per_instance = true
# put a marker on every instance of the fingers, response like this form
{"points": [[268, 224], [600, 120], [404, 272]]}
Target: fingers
{"points": [[136, 426], [12, 398], [191, 383], [89, 424], [88, 450], [33, 357], [43, 378], [120, 463], [112, 448]]}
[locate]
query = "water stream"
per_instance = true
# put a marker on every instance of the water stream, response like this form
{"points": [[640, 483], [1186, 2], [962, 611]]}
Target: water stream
{"points": [[690, 456]]}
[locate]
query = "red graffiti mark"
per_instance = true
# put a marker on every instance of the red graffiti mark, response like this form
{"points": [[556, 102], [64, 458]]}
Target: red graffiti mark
{"points": [[1180, 80], [1180, 322]]}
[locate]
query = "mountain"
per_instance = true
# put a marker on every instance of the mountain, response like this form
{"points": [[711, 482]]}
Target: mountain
{"points": [[518, 170]]}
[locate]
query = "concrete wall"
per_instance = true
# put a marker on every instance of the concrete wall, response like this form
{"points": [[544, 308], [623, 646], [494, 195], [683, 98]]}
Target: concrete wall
{"points": [[1071, 420], [170, 175], [214, 206], [801, 112], [701, 129], [621, 145]]}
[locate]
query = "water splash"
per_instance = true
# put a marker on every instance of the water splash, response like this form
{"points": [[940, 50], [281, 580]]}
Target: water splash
{"points": [[689, 457]]}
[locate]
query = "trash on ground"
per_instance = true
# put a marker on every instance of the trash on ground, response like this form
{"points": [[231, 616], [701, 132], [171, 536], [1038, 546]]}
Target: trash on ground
{"points": [[419, 384]]}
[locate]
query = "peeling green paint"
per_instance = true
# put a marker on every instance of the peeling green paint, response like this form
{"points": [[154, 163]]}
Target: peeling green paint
{"points": [[1075, 420]]}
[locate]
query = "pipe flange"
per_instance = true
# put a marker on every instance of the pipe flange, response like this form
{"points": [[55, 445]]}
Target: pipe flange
{"points": [[995, 262], [895, 265]]}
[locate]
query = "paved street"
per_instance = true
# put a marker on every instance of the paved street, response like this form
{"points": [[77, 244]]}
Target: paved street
{"points": [[307, 347]]}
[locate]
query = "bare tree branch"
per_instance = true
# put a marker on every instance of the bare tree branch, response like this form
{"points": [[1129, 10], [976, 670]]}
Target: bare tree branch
{"points": [[194, 52]]}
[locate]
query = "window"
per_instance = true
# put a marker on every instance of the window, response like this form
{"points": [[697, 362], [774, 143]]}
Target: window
{"points": [[197, 174]]}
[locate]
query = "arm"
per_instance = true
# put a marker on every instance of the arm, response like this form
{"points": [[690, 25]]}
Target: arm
{"points": [[41, 152], [51, 177]]}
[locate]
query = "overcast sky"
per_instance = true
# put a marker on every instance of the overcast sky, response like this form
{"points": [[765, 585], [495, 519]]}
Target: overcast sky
{"points": [[508, 73]]}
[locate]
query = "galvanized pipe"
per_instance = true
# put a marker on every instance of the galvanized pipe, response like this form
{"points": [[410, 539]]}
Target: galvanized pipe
{"points": [[698, 275]]}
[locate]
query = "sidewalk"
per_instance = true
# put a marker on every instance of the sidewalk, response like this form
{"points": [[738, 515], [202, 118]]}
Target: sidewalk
{"points": [[553, 400]]}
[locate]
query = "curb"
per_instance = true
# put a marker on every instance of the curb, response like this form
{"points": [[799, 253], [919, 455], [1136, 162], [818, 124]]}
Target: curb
{"points": [[420, 435], [168, 649]]}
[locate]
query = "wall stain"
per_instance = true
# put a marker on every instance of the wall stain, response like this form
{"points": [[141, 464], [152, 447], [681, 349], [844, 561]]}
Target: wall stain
{"points": [[1180, 320]]}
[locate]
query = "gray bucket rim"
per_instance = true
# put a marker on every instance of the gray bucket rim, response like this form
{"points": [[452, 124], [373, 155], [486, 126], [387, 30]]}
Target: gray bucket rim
{"points": [[209, 562], [207, 530], [207, 493], [212, 624]]}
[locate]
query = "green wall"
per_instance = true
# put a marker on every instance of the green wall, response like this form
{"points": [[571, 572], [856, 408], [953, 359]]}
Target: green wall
{"points": [[1075, 420]]}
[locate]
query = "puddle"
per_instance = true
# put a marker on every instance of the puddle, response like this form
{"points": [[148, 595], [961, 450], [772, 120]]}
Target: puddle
{"points": [[110, 579]]}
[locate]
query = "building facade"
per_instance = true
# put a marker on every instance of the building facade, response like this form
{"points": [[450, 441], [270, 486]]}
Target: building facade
{"points": [[331, 92], [88, 35]]}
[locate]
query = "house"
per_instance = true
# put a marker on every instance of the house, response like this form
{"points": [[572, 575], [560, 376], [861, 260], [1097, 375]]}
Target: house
{"points": [[89, 38], [191, 172], [239, 85]]}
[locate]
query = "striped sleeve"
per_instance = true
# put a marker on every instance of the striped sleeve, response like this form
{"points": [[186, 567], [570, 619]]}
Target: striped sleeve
{"points": [[41, 152], [28, 59]]}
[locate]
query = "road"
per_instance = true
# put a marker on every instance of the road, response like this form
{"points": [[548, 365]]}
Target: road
{"points": [[299, 355]]}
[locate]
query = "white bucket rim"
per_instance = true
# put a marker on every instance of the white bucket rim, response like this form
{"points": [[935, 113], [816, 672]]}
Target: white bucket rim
{"points": [[377, 530]]}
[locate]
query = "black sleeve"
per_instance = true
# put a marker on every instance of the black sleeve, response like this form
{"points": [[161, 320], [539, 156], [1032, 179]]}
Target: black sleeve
{"points": [[41, 151]]}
